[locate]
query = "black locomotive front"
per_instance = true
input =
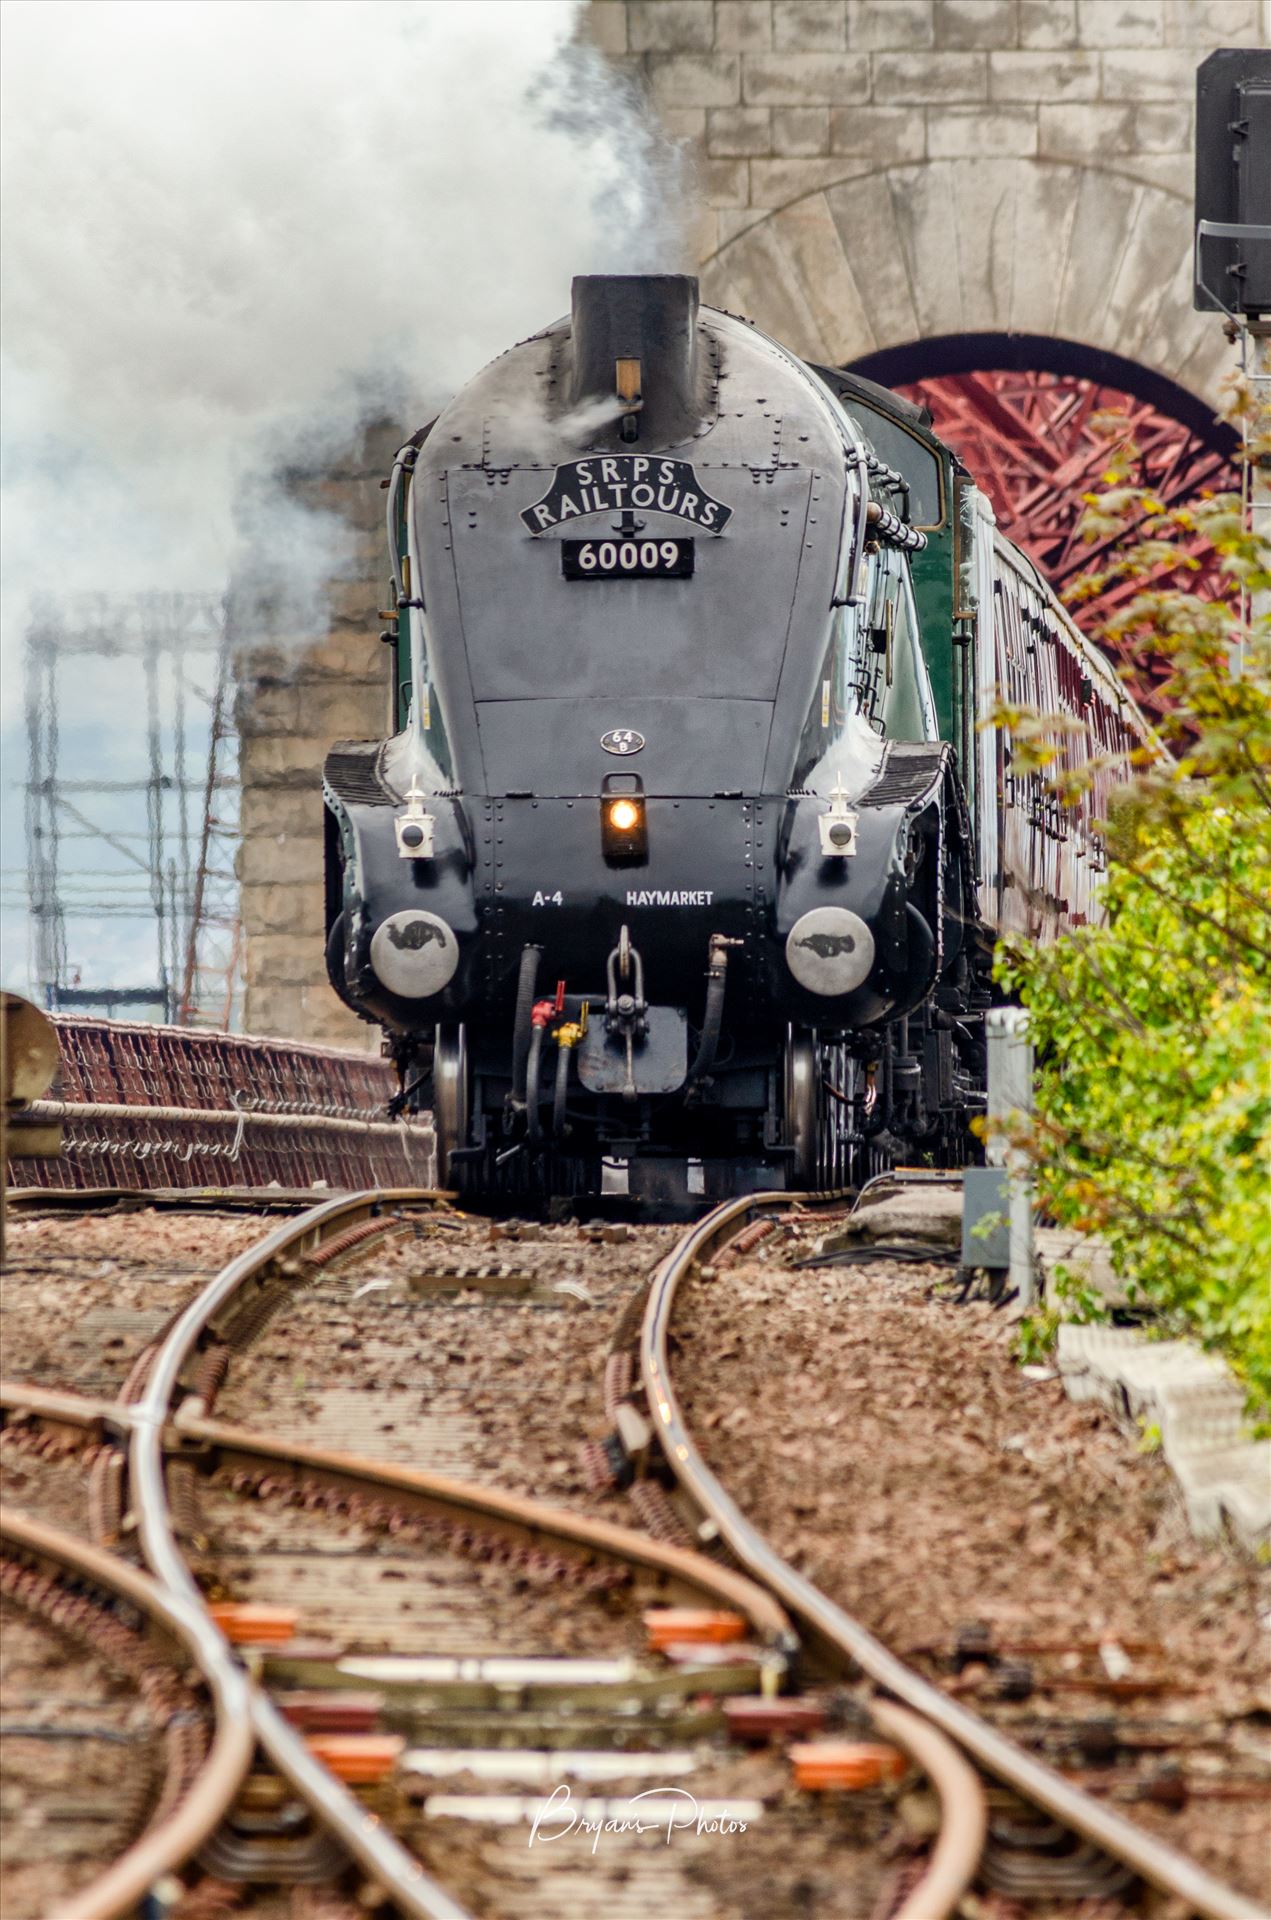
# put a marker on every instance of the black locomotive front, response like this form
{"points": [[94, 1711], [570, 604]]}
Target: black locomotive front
{"points": [[668, 836]]}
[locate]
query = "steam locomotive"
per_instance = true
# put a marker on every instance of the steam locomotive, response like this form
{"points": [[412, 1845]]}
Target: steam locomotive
{"points": [[682, 868]]}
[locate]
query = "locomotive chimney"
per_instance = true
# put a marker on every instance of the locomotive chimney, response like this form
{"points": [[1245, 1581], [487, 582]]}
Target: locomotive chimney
{"points": [[635, 338]]}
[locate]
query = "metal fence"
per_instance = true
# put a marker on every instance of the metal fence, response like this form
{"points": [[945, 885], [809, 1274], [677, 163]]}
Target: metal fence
{"points": [[158, 1106]]}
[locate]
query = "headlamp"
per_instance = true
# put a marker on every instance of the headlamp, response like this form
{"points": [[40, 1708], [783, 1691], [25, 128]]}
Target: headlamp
{"points": [[623, 830]]}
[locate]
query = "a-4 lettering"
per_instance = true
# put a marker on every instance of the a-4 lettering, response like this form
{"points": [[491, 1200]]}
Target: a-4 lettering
{"points": [[542, 899]]}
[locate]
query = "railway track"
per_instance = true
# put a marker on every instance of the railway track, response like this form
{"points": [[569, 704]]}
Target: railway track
{"points": [[89, 1641], [285, 1561]]}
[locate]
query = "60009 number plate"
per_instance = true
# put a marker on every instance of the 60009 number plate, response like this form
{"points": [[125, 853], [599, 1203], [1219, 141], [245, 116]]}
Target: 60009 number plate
{"points": [[626, 559]]}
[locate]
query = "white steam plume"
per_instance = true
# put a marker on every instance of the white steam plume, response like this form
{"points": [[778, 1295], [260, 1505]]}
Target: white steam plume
{"points": [[231, 223]]}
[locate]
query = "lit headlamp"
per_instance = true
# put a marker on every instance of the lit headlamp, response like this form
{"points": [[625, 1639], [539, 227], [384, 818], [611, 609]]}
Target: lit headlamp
{"points": [[623, 829]]}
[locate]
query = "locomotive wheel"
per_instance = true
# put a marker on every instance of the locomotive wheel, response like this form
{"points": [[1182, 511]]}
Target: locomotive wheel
{"points": [[804, 1105], [452, 1099]]}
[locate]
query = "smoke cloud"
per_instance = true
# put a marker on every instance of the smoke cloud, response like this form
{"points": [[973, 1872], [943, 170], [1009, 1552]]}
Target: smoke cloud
{"points": [[238, 226]]}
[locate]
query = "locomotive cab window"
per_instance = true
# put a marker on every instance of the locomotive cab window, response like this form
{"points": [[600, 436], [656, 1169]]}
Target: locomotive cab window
{"points": [[874, 675], [893, 685], [909, 456]]}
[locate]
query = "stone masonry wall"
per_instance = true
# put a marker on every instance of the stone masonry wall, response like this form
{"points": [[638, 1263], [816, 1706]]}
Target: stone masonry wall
{"points": [[293, 701], [868, 173], [778, 98]]}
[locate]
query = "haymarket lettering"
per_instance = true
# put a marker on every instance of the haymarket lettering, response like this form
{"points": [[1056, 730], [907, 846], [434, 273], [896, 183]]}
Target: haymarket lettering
{"points": [[619, 482], [669, 897]]}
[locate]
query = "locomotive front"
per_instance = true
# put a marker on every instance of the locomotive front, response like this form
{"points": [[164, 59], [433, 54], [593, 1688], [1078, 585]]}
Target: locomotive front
{"points": [[666, 816]]}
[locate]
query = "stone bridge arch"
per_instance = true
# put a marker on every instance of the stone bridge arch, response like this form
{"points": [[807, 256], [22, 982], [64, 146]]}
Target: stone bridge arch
{"points": [[909, 253]]}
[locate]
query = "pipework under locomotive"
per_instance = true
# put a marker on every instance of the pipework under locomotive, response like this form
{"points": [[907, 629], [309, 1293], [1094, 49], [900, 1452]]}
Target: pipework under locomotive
{"points": [[668, 863]]}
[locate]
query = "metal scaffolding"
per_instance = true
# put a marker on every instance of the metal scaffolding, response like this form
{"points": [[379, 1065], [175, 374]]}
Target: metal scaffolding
{"points": [[151, 853]]}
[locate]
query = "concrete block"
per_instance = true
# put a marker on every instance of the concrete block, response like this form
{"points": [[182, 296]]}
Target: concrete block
{"points": [[687, 125], [293, 760], [1039, 76], [702, 238], [927, 214], [809, 26], [734, 221], [282, 960], [1171, 337], [810, 239], [264, 810], [1083, 1256], [1121, 23], [760, 284], [280, 859], [303, 1013], [1173, 172], [1232, 1487], [865, 228], [723, 183], [977, 23], [1089, 1360], [1047, 24], [1045, 203], [604, 23], [1089, 131], [882, 26], [986, 192], [1206, 24], [695, 79], [776, 183], [293, 910], [929, 79], [956, 133], [800, 131], [743, 26], [1148, 1368], [1160, 239], [670, 26], [739, 131], [1193, 1398], [1155, 73], [1199, 1415], [803, 79], [884, 135], [1104, 214], [921, 1216]]}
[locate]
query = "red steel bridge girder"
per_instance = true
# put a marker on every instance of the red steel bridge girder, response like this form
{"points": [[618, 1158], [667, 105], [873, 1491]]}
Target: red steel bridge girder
{"points": [[1038, 442]]}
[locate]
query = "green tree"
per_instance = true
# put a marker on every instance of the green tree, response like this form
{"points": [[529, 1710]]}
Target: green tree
{"points": [[1153, 1028]]}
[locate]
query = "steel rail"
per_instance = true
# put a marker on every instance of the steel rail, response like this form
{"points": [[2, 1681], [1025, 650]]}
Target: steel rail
{"points": [[378, 1852], [161, 1849], [437, 1494], [960, 1841], [1164, 1866], [512, 1514]]}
